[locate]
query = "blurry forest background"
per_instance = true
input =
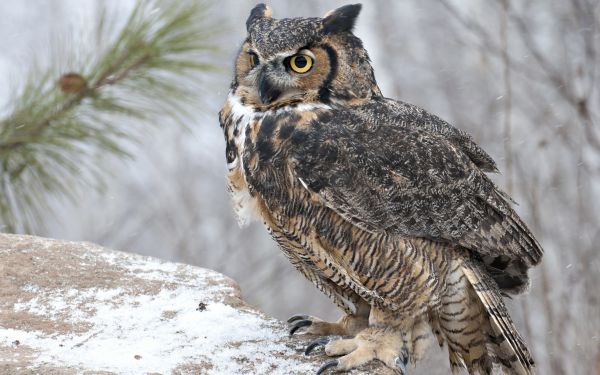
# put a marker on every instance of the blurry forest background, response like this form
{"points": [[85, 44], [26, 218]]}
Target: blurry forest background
{"points": [[521, 76]]}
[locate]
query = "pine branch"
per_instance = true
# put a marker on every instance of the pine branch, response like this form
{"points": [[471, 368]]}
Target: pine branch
{"points": [[61, 122]]}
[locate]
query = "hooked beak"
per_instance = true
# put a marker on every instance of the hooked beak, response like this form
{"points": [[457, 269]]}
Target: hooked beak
{"points": [[267, 91]]}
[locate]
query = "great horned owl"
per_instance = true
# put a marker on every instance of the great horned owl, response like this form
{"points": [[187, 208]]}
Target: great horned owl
{"points": [[384, 207]]}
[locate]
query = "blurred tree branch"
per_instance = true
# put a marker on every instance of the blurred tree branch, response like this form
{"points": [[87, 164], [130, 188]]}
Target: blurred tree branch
{"points": [[508, 153], [586, 18], [61, 122]]}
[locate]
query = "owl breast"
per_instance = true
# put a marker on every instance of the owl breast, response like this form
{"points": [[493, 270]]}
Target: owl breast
{"points": [[238, 121]]}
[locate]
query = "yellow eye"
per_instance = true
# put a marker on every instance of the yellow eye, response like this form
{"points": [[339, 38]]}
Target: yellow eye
{"points": [[252, 59], [301, 63]]}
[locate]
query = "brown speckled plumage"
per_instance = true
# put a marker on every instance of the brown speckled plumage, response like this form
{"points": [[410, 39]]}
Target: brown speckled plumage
{"points": [[384, 207]]}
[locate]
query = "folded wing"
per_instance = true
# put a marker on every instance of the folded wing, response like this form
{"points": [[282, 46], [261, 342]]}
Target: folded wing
{"points": [[408, 175]]}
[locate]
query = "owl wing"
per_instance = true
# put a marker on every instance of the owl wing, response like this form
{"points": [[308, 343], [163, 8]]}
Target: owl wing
{"points": [[388, 173]]}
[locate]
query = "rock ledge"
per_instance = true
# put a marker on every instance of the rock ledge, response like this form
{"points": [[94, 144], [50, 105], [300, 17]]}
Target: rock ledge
{"points": [[78, 308]]}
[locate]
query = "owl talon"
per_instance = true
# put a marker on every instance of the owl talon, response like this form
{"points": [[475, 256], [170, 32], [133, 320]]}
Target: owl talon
{"points": [[315, 344], [381, 344], [401, 361], [298, 317], [298, 325], [327, 365]]}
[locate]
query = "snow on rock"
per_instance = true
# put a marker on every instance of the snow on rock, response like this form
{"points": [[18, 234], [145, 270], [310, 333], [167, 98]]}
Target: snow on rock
{"points": [[77, 308]]}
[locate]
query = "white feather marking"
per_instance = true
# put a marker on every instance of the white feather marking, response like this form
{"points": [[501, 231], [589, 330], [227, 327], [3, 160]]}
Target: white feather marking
{"points": [[245, 207], [303, 183], [233, 164], [302, 107]]}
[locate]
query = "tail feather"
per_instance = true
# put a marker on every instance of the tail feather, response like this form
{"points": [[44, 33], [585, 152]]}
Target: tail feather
{"points": [[513, 354]]}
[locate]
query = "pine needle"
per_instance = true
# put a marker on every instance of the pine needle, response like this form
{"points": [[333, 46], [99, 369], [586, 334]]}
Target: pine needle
{"points": [[59, 122]]}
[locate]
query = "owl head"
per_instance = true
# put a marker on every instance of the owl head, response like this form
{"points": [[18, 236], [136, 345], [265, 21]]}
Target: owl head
{"points": [[303, 60]]}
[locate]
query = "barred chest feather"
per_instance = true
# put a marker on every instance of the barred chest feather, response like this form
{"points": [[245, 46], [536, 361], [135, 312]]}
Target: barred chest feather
{"points": [[236, 118]]}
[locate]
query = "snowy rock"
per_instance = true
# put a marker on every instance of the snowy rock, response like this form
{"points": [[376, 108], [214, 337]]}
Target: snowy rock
{"points": [[77, 308]]}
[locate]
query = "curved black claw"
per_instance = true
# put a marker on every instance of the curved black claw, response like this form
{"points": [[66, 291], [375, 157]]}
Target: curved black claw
{"points": [[297, 317], [315, 344], [327, 365], [402, 361], [298, 325]]}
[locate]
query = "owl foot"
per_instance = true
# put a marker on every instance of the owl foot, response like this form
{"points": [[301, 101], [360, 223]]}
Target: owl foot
{"points": [[347, 325], [372, 343]]}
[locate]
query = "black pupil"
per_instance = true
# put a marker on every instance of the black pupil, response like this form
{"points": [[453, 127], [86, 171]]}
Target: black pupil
{"points": [[300, 61]]}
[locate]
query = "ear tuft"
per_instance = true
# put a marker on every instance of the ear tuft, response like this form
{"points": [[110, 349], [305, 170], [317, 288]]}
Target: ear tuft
{"points": [[259, 11], [341, 19]]}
